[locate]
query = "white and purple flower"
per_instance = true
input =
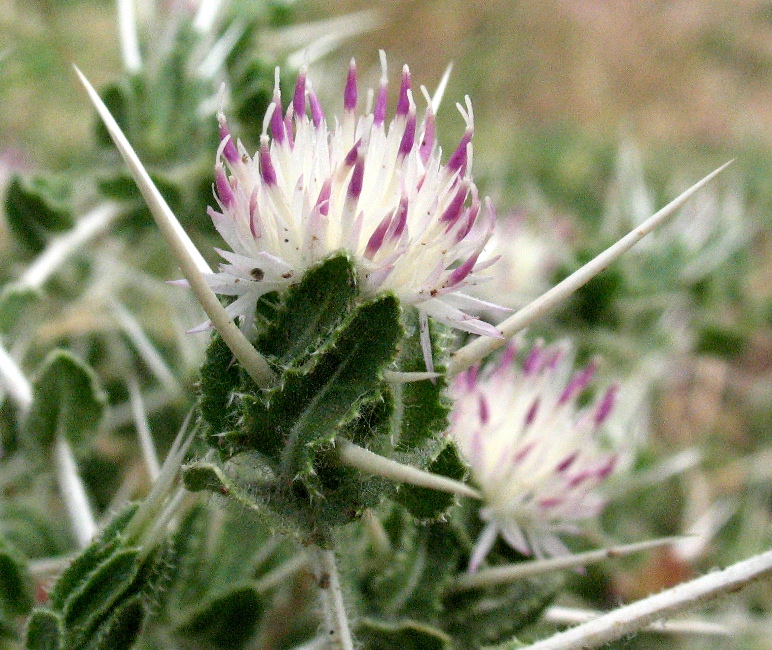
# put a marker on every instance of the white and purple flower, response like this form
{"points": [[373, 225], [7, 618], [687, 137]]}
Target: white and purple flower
{"points": [[379, 191], [536, 456]]}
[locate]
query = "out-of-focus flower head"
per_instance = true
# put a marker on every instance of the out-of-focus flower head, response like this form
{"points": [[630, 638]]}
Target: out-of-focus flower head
{"points": [[536, 455], [415, 226]]}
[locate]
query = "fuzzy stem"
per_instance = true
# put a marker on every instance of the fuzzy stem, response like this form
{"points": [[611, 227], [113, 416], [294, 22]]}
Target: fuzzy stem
{"points": [[191, 263], [636, 616], [336, 627], [127, 30], [74, 492], [61, 248], [570, 615], [512, 572], [483, 346], [366, 461]]}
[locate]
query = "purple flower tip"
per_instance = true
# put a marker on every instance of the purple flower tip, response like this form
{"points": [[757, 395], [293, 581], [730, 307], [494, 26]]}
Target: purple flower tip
{"points": [[578, 383], [299, 99], [408, 137], [350, 94], [458, 159], [606, 405], [317, 114], [224, 189], [403, 103], [229, 150], [267, 172]]}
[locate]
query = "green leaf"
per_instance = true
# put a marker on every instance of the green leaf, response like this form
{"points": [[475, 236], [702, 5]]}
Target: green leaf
{"points": [[225, 622], [121, 627], [74, 576], [16, 587], [45, 631], [37, 207], [405, 635], [14, 302], [311, 312], [496, 614], [220, 377], [104, 588], [423, 404], [67, 400], [302, 415], [429, 505]]}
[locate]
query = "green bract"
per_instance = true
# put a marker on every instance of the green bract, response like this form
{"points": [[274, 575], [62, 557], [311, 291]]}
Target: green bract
{"points": [[329, 348]]}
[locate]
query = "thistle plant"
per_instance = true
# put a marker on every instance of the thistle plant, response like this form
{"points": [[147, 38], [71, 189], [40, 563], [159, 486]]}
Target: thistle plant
{"points": [[361, 452]]}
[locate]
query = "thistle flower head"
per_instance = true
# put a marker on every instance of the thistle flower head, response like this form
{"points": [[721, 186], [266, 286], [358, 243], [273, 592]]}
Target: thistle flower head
{"points": [[536, 456], [414, 225]]}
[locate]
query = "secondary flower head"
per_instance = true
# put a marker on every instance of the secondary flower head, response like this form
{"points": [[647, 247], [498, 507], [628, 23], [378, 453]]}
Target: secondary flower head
{"points": [[414, 225], [536, 456]]}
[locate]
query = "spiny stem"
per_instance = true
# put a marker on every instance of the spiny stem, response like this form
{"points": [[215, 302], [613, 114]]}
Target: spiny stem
{"points": [[336, 627], [636, 616], [569, 615], [483, 346], [512, 572], [191, 263], [73, 492], [366, 461], [61, 248]]}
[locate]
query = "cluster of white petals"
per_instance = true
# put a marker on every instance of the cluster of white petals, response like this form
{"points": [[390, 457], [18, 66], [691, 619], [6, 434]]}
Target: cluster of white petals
{"points": [[413, 225], [536, 456]]}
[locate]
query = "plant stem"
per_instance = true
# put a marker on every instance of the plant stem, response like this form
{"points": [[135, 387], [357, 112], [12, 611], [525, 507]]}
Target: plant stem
{"points": [[636, 616], [483, 346], [336, 627], [366, 461], [127, 29], [511, 572], [569, 615]]}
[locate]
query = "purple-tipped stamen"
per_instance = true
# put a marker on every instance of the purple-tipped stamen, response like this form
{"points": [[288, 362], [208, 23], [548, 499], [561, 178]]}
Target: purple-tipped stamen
{"points": [[350, 93], [224, 189], [403, 103], [323, 202], [458, 160], [485, 411], [355, 185], [299, 99], [563, 465], [427, 140], [408, 137], [379, 111], [317, 114], [229, 150], [267, 172], [577, 383], [379, 234], [278, 130], [530, 416], [353, 155], [606, 405], [455, 207], [460, 273], [533, 361]]}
